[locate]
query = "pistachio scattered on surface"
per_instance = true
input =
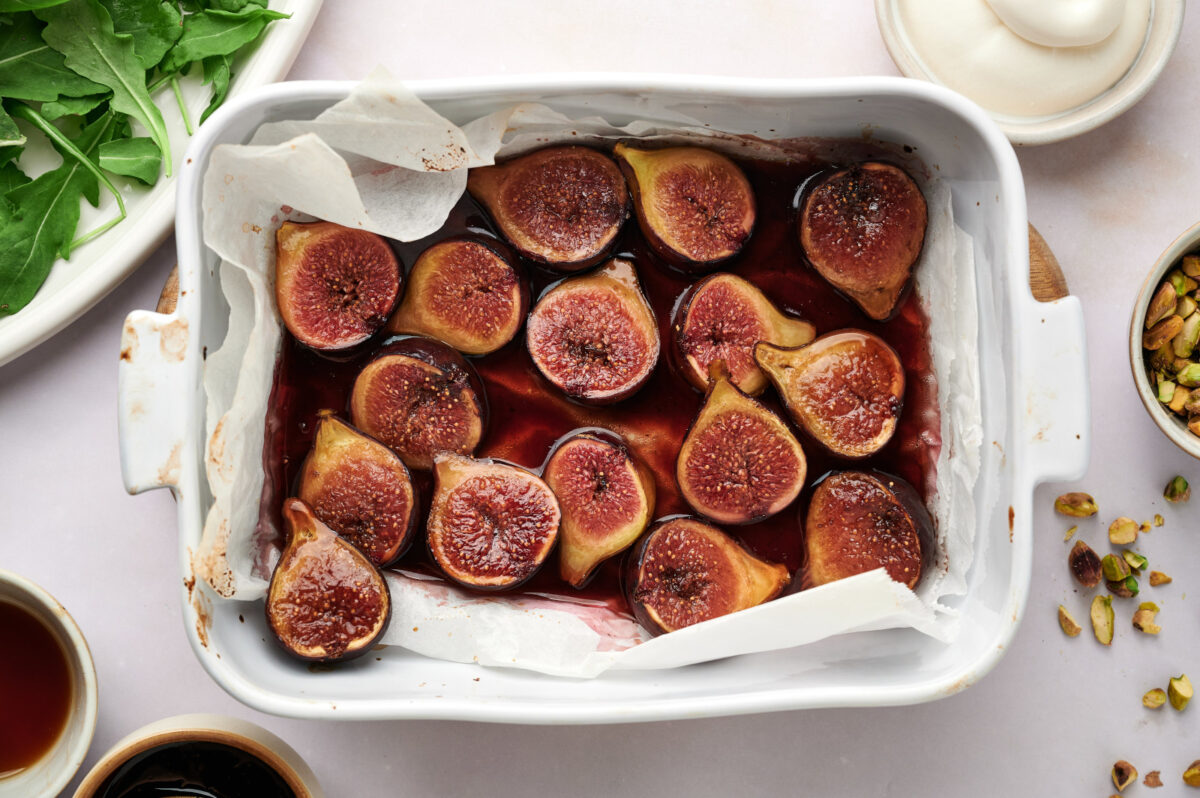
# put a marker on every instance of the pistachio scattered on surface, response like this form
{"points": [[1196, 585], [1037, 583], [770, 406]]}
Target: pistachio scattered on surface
{"points": [[1191, 776], [1159, 578], [1158, 519], [1123, 774], [1154, 699], [1114, 567], [1135, 561], [1145, 526], [1085, 564], [1102, 619], [1177, 490], [1143, 618], [1179, 691], [1122, 531], [1123, 588], [1070, 626], [1077, 505], [1153, 779], [1070, 533]]}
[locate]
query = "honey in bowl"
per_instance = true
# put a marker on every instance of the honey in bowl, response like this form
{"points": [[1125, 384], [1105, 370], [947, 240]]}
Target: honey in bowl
{"points": [[35, 689]]}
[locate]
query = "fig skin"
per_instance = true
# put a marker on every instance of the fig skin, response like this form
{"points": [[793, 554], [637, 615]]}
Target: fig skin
{"points": [[561, 206], [846, 389], [722, 317], [465, 292], [694, 206], [334, 286], [862, 229], [684, 571], [359, 488], [595, 336], [739, 462], [419, 397], [491, 524], [858, 521], [606, 495], [326, 601]]}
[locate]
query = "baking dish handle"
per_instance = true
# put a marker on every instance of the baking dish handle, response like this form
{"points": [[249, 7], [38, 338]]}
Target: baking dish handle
{"points": [[1055, 398], [153, 384]]}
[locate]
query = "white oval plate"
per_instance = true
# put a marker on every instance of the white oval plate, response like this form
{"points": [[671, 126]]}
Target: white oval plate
{"points": [[99, 266]]}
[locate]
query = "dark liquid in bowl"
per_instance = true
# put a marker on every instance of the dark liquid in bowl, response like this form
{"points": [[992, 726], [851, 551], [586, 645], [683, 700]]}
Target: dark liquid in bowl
{"points": [[527, 414], [197, 769], [36, 689]]}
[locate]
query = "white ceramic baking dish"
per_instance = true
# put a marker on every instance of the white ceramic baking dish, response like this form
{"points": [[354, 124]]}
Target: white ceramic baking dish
{"points": [[1035, 406]]}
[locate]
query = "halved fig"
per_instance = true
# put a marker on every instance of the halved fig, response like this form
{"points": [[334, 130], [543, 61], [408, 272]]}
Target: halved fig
{"points": [[846, 389], [419, 397], [326, 601], [862, 228], [739, 462], [334, 286], [465, 293], [595, 336], [858, 521], [685, 571], [606, 496], [360, 489], [695, 206], [561, 206], [722, 317], [491, 524]]}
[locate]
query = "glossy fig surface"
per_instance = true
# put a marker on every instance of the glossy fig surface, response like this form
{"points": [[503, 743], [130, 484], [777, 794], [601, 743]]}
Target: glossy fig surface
{"points": [[862, 228], [846, 389], [465, 293], [420, 397], [858, 521], [695, 206], [326, 601], [739, 462], [334, 286], [722, 317], [561, 206], [491, 524], [595, 336], [606, 496], [685, 571], [360, 489]]}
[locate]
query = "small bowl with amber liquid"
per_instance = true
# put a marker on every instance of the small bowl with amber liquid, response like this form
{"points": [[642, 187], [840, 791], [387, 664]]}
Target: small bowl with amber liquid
{"points": [[47, 692]]}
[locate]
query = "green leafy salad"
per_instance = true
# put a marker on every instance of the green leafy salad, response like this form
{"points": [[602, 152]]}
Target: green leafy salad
{"points": [[80, 72]]}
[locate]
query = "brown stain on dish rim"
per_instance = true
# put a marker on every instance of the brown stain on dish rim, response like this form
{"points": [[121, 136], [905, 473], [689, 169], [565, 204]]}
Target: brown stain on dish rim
{"points": [[1011, 516], [129, 342], [173, 340]]}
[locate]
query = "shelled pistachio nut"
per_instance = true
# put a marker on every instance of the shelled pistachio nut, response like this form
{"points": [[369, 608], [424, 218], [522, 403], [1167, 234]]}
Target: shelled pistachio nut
{"points": [[1143, 618], [1102, 619], [1077, 505], [1070, 626], [1159, 578], [1123, 774], [1191, 776], [1179, 691], [1085, 564], [1154, 699], [1134, 560], [1115, 568], [1162, 304], [1162, 332], [1122, 531], [1178, 490]]}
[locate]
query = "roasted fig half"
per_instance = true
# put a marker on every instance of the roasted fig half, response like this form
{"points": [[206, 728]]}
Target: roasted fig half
{"points": [[334, 286], [491, 525], [465, 293], [595, 336], [722, 317], [685, 571], [862, 228], [846, 389], [739, 462], [695, 206], [360, 489], [326, 601], [419, 397], [858, 521], [561, 206], [606, 496]]}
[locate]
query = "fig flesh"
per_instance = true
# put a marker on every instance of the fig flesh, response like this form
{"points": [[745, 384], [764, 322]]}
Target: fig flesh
{"points": [[561, 206], [722, 317], [334, 286], [491, 524], [326, 601], [739, 462], [465, 293], [695, 206], [685, 571], [595, 336], [862, 228], [419, 398], [606, 496], [360, 489], [858, 521], [846, 389]]}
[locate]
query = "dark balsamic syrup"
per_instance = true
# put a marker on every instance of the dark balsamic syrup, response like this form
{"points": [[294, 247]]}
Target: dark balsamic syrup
{"points": [[196, 769], [527, 415]]}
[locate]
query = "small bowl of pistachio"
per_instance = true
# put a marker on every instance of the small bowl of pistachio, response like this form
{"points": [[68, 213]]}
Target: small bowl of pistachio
{"points": [[1164, 342]]}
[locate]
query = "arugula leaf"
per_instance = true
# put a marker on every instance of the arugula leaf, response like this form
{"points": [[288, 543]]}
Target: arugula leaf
{"points": [[27, 5], [210, 33], [32, 70], [10, 134], [83, 32], [217, 70], [153, 24], [138, 158], [11, 176], [10, 153], [72, 106], [232, 5], [40, 220]]}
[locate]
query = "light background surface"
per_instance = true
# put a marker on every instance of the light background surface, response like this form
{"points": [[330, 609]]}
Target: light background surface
{"points": [[1051, 718]]}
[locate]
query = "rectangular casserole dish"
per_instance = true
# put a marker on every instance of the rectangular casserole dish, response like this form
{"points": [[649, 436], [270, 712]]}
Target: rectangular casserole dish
{"points": [[1033, 385]]}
